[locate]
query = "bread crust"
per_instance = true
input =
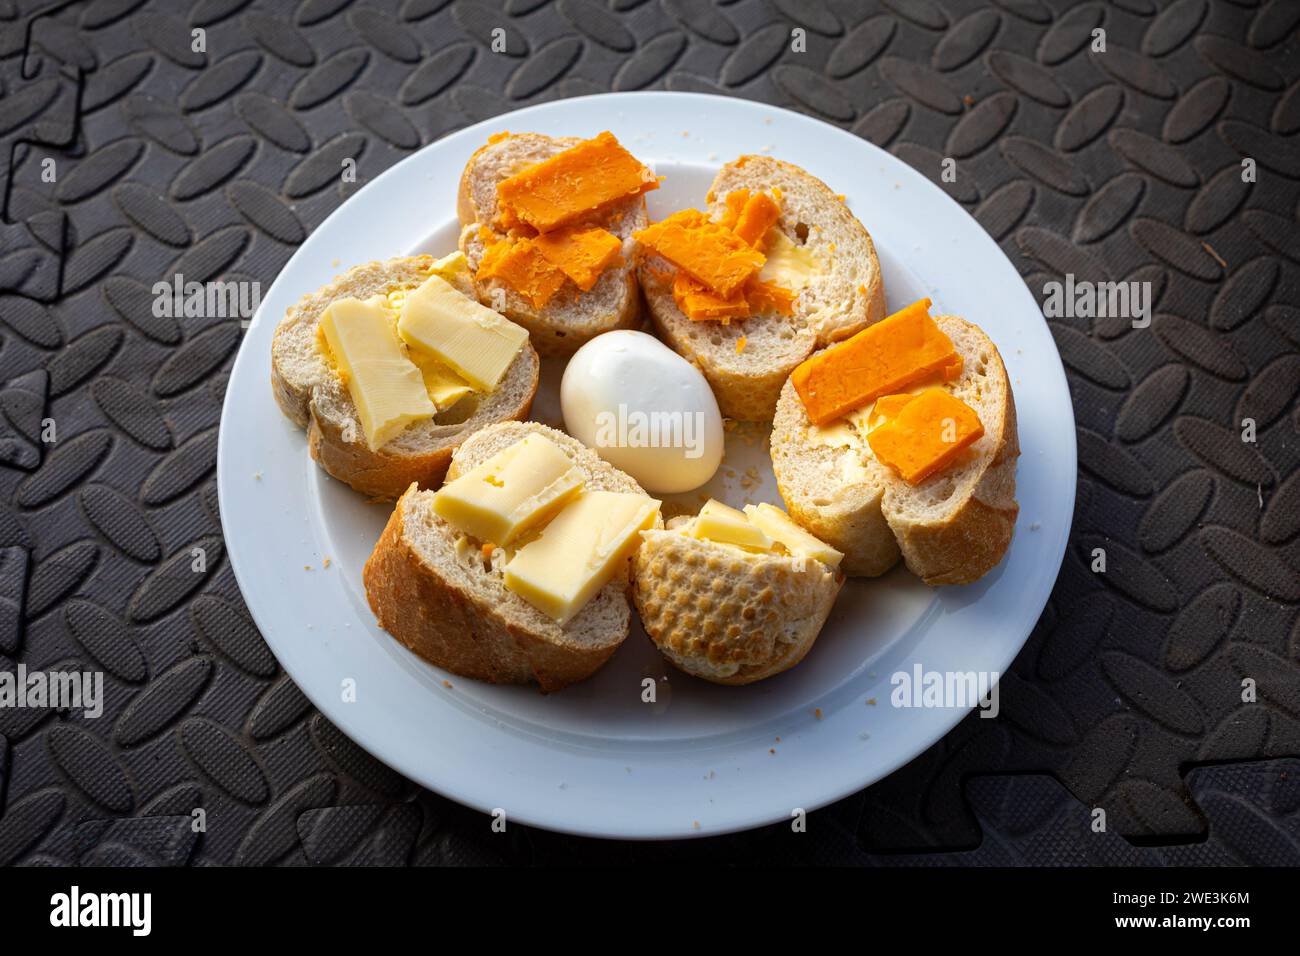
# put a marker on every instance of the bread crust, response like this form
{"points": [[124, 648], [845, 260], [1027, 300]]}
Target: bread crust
{"points": [[868, 520], [311, 396], [553, 328], [726, 616], [973, 539], [748, 389], [438, 619]]}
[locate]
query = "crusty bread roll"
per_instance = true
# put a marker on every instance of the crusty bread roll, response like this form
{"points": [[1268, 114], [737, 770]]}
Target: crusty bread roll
{"points": [[570, 318], [951, 528], [845, 297], [432, 588], [312, 395], [726, 615]]}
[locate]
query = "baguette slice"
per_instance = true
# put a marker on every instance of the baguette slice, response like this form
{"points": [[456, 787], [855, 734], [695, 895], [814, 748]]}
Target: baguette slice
{"points": [[448, 603], [725, 615], [572, 317], [844, 298], [951, 528], [312, 396]]}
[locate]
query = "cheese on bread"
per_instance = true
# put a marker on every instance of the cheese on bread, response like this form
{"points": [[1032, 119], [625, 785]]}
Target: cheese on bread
{"points": [[817, 280], [734, 597]]}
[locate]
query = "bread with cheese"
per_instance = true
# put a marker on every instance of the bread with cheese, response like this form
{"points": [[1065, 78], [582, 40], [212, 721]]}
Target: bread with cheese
{"points": [[951, 528], [313, 396], [746, 361], [571, 317], [435, 590], [726, 615]]}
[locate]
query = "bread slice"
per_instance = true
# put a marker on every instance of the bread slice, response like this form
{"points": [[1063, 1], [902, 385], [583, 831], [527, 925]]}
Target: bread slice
{"points": [[312, 396], [726, 615], [572, 317], [845, 297], [951, 528], [432, 588]]}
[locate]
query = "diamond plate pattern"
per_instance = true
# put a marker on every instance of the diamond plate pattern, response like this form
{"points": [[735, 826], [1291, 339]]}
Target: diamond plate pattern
{"points": [[1116, 165]]}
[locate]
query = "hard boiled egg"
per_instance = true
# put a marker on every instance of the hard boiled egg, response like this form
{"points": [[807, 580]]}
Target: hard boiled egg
{"points": [[644, 409]]}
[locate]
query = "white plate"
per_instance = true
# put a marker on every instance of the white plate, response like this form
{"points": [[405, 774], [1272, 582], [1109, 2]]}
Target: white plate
{"points": [[594, 758]]}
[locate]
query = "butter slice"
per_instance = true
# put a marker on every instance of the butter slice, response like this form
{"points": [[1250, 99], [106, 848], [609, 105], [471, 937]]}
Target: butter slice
{"points": [[788, 265], [513, 491], [578, 553], [476, 342], [776, 524], [384, 383], [725, 525]]}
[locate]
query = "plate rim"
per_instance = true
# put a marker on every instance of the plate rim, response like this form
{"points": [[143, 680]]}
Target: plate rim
{"points": [[377, 746]]}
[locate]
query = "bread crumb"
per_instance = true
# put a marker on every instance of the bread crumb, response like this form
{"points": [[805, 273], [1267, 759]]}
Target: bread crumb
{"points": [[1035, 526], [695, 824], [771, 750], [818, 713], [446, 683], [306, 567], [778, 738], [257, 476], [740, 344], [327, 562], [871, 702]]}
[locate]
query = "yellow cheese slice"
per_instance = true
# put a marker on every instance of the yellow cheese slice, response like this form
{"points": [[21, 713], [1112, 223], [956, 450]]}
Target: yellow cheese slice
{"points": [[444, 386], [513, 491], [384, 383], [578, 553], [450, 266], [725, 525], [776, 524], [476, 342]]}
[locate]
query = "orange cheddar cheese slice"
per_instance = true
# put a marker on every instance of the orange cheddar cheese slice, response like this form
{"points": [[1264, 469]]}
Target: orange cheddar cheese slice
{"points": [[759, 214], [888, 406], [881, 359], [703, 304], [710, 253], [519, 264], [580, 253], [769, 297], [736, 200], [926, 435], [574, 184]]}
